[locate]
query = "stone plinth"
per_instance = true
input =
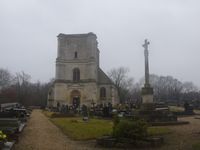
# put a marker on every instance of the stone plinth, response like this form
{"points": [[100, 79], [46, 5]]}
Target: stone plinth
{"points": [[147, 95]]}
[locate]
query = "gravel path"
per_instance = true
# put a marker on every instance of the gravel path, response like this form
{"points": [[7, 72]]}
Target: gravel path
{"points": [[184, 136], [41, 134]]}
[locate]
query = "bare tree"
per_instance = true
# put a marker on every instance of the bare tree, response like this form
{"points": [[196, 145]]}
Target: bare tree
{"points": [[5, 78], [136, 93], [22, 84], [189, 87], [19, 88], [122, 82]]}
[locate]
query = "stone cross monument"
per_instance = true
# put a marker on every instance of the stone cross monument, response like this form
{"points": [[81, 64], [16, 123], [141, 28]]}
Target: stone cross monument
{"points": [[147, 90], [145, 45]]}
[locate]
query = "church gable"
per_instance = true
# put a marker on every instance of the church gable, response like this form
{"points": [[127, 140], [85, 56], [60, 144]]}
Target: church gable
{"points": [[103, 78]]}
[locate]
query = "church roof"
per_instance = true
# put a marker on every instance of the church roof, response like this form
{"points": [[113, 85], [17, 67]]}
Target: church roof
{"points": [[76, 35], [103, 78]]}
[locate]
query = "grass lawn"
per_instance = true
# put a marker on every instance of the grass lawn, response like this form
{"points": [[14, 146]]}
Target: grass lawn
{"points": [[156, 131], [77, 129], [196, 146]]}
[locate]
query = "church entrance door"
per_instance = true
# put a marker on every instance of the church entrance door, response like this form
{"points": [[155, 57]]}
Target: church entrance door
{"points": [[75, 98], [76, 102]]}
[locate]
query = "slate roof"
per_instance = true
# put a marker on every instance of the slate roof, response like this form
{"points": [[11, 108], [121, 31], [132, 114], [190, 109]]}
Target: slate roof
{"points": [[103, 78]]}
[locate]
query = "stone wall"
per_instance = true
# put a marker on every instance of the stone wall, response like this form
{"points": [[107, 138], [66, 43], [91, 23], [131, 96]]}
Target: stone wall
{"points": [[87, 52], [88, 92], [88, 70], [84, 44], [63, 93]]}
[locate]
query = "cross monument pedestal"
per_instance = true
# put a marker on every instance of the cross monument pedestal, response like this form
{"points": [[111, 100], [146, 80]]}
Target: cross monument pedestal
{"points": [[148, 110], [147, 90]]}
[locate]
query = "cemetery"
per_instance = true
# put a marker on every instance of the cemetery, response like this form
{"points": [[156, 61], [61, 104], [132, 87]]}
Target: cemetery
{"points": [[114, 129], [100, 75], [106, 128], [123, 125], [98, 120], [13, 118], [148, 124]]}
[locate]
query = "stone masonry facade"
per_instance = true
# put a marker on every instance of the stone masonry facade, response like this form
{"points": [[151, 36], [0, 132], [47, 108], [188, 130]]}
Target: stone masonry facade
{"points": [[79, 79]]}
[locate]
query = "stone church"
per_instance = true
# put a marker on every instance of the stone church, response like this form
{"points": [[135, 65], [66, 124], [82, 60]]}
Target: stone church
{"points": [[79, 79]]}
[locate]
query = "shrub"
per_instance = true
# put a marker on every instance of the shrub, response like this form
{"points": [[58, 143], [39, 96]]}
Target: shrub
{"points": [[116, 120], [132, 129], [2, 136]]}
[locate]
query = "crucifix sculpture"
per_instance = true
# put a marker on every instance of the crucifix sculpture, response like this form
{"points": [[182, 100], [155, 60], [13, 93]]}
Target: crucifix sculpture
{"points": [[145, 45]]}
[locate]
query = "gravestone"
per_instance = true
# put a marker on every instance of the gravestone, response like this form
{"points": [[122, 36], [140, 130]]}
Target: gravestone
{"points": [[188, 109], [85, 113]]}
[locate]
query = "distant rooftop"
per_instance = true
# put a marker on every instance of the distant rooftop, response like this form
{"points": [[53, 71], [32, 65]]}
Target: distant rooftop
{"points": [[76, 35]]}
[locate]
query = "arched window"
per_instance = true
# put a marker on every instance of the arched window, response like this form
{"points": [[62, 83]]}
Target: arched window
{"points": [[75, 55], [103, 92], [76, 75]]}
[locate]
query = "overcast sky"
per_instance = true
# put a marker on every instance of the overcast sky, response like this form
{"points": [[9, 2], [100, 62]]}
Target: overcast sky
{"points": [[28, 30]]}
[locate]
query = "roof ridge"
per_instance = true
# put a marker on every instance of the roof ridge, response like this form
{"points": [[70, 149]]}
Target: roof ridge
{"points": [[76, 35]]}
